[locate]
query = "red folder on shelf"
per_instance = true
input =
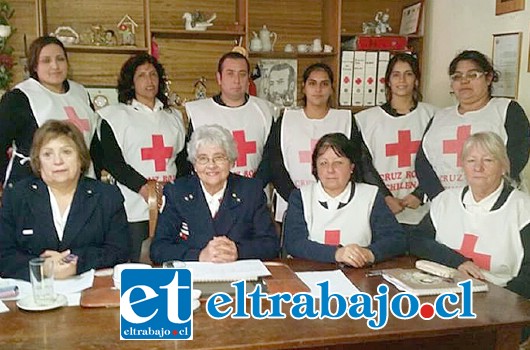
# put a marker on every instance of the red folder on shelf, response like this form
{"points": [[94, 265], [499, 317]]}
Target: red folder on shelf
{"points": [[389, 43]]}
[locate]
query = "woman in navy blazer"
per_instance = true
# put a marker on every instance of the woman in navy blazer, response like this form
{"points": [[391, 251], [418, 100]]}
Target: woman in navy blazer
{"points": [[214, 215], [60, 212]]}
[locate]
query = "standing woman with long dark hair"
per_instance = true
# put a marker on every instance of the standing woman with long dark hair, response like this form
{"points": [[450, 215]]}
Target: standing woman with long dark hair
{"points": [[142, 138], [287, 156], [47, 94], [392, 134]]}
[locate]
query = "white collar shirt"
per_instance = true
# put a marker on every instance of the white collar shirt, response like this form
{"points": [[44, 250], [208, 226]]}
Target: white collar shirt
{"points": [[59, 220], [483, 206], [334, 202], [214, 201]]}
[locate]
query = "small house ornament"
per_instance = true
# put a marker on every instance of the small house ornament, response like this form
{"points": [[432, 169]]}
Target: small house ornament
{"points": [[127, 30]]}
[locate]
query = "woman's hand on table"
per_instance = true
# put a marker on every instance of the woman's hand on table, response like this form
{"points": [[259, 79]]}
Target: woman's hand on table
{"points": [[354, 255]]}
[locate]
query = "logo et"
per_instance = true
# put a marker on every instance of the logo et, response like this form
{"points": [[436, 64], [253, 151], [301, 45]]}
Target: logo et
{"points": [[156, 304]]}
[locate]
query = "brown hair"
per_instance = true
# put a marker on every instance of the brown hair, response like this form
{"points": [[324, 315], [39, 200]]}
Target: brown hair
{"points": [[343, 147], [233, 55], [414, 65], [54, 129], [318, 67], [481, 60], [34, 52]]}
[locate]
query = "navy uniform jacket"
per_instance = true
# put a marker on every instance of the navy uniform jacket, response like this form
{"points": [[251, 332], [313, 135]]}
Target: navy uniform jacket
{"points": [[96, 229], [185, 225]]}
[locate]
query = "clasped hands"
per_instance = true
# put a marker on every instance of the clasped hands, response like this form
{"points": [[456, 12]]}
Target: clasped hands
{"points": [[61, 268], [397, 205], [219, 250], [354, 255]]}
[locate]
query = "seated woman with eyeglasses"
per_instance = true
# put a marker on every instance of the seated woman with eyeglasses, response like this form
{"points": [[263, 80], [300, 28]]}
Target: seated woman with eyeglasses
{"points": [[214, 215], [438, 163], [338, 219]]}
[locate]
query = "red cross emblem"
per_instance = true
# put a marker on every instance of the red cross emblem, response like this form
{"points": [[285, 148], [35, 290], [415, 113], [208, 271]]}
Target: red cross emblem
{"points": [[403, 149], [370, 80], [382, 80], [358, 81], [305, 156], [455, 146], [82, 124], [332, 237], [346, 80], [243, 147], [468, 250], [159, 153]]}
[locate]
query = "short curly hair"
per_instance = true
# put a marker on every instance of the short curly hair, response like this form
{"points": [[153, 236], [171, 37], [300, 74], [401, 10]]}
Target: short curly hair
{"points": [[126, 91]]}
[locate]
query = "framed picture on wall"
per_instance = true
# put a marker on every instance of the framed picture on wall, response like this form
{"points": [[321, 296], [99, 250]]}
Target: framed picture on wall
{"points": [[410, 19], [506, 60], [277, 83], [506, 6]]}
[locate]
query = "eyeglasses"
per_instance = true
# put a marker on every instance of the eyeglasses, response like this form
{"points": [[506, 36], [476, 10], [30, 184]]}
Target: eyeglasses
{"points": [[471, 75], [217, 160]]}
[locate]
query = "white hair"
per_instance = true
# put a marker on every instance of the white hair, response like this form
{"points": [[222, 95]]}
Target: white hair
{"points": [[213, 135]]}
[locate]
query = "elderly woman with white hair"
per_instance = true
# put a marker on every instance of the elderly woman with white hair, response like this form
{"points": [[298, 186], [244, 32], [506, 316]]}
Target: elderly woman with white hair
{"points": [[214, 215], [482, 229]]}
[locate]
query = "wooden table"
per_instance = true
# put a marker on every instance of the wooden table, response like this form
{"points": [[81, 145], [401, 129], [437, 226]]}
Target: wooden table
{"points": [[500, 317]]}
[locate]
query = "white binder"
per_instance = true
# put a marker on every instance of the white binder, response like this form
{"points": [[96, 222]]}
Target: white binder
{"points": [[382, 63], [370, 76], [358, 78], [346, 76]]}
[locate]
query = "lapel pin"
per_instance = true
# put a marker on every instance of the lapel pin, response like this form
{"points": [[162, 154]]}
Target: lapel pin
{"points": [[34, 186]]}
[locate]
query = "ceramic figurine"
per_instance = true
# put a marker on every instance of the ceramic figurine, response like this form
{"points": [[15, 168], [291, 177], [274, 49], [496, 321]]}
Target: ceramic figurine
{"points": [[197, 21]]}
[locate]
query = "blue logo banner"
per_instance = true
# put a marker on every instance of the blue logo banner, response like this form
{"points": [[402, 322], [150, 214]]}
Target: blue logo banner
{"points": [[156, 304]]}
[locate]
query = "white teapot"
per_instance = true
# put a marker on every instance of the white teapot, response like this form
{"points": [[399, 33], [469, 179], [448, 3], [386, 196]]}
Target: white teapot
{"points": [[265, 35], [255, 43]]}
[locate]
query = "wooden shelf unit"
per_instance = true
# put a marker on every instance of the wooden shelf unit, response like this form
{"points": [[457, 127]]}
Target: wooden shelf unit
{"points": [[188, 55], [85, 60]]}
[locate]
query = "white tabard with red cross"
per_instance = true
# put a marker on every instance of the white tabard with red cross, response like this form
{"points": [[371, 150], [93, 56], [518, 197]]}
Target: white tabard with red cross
{"points": [[73, 105], [149, 141], [249, 124], [393, 143], [347, 225], [299, 135], [491, 240], [443, 141]]}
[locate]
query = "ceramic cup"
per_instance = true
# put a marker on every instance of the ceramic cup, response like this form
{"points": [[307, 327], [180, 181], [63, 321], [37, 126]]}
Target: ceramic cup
{"points": [[288, 48], [302, 48], [317, 45], [41, 273]]}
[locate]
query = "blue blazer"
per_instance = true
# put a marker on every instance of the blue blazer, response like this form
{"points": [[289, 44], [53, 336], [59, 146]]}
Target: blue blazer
{"points": [[96, 229], [185, 225]]}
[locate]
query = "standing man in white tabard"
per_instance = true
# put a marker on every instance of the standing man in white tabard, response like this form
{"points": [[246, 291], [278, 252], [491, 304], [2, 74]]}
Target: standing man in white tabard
{"points": [[248, 118], [142, 139]]}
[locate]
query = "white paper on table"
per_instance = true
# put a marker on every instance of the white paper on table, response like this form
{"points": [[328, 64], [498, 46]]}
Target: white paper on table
{"points": [[73, 299], [3, 307], [338, 282], [248, 270], [74, 284]]}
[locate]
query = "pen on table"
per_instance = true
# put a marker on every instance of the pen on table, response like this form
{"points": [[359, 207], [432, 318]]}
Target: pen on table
{"points": [[8, 292]]}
